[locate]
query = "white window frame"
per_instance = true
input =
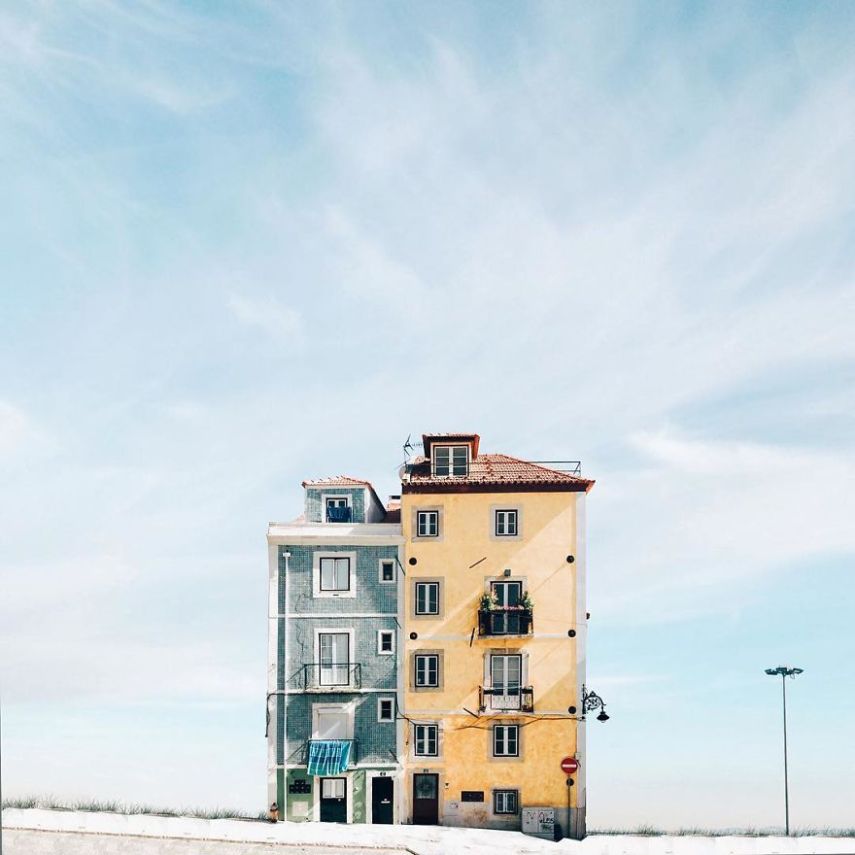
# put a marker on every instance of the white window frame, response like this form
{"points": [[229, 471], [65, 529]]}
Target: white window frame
{"points": [[451, 446], [317, 593], [380, 701], [418, 685], [337, 563], [425, 740], [380, 578], [318, 709], [505, 728], [503, 794], [334, 630], [416, 599], [419, 515], [380, 634], [506, 515], [512, 692]]}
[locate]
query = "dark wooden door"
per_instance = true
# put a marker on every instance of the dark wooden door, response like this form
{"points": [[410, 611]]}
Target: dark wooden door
{"points": [[425, 799], [382, 792], [333, 799]]}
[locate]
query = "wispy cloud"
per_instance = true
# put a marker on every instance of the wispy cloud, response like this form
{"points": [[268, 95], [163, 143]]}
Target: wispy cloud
{"points": [[699, 518], [13, 428], [268, 314], [368, 271]]}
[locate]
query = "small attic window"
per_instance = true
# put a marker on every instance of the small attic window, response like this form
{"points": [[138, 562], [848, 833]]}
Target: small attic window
{"points": [[450, 460], [338, 509]]}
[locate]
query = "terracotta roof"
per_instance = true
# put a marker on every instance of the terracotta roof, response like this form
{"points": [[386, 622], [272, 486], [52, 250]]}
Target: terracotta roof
{"points": [[493, 470], [337, 481]]}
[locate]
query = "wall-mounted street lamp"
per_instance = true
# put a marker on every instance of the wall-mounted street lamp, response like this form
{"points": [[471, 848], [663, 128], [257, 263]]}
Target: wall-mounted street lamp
{"points": [[592, 701], [785, 671]]}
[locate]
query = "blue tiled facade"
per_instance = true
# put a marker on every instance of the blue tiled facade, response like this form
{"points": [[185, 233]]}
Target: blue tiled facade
{"points": [[315, 508], [371, 594], [300, 614]]}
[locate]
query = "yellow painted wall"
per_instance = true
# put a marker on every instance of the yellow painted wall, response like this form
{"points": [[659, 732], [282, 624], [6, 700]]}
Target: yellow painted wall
{"points": [[539, 558]]}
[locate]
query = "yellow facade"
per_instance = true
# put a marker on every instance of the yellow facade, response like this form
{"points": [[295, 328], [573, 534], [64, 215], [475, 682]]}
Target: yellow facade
{"points": [[466, 557]]}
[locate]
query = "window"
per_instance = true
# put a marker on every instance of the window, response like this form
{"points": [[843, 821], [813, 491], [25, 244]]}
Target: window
{"points": [[332, 721], [506, 740], [505, 678], [427, 670], [386, 641], [472, 796], [426, 740], [387, 570], [385, 709], [333, 658], [450, 460], [506, 523], [506, 594], [506, 801], [507, 617], [427, 523], [333, 788], [427, 598], [335, 574], [338, 510]]}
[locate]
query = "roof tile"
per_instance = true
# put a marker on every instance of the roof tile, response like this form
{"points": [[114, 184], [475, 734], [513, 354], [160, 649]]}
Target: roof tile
{"points": [[495, 469], [337, 481]]}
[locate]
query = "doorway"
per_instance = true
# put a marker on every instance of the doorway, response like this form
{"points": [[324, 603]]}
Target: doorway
{"points": [[425, 799], [382, 800], [333, 800]]}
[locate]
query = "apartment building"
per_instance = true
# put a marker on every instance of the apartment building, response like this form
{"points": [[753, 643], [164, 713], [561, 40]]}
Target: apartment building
{"points": [[494, 621], [334, 693]]}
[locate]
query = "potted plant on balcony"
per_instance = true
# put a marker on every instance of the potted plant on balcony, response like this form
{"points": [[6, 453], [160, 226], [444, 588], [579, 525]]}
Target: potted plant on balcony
{"points": [[526, 602], [487, 603]]}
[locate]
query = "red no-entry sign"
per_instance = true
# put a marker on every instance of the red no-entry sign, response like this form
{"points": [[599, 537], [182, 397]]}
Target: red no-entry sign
{"points": [[569, 765]]}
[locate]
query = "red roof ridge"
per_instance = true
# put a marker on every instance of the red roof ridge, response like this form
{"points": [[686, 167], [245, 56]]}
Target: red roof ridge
{"points": [[332, 479]]}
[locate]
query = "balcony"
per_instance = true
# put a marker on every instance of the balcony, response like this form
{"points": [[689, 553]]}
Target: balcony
{"points": [[339, 515], [331, 677], [510, 620], [509, 698]]}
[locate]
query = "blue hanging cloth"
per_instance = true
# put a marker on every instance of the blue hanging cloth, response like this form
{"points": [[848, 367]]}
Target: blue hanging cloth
{"points": [[328, 756]]}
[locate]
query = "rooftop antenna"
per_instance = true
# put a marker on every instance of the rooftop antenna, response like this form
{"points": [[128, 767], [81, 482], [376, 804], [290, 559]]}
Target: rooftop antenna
{"points": [[408, 449]]}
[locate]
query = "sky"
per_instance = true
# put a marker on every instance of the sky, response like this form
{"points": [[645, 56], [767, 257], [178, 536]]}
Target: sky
{"points": [[246, 244]]}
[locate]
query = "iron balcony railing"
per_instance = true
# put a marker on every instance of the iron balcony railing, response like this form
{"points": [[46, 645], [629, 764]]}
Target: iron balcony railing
{"points": [[354, 749], [506, 698], [509, 620], [571, 467], [331, 676], [339, 515]]}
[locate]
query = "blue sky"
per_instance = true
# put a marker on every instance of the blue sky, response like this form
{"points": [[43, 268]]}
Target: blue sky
{"points": [[244, 245]]}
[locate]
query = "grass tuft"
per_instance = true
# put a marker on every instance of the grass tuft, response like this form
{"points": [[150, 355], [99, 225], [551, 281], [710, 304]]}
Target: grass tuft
{"points": [[109, 806], [650, 831]]}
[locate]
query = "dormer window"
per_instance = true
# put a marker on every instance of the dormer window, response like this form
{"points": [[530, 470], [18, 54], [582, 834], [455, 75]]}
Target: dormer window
{"points": [[338, 509], [450, 460]]}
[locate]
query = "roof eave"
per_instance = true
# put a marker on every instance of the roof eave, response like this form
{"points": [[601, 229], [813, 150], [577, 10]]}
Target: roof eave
{"points": [[580, 486]]}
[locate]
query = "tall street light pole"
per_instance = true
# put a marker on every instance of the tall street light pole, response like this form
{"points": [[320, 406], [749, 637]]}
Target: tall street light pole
{"points": [[785, 671]]}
